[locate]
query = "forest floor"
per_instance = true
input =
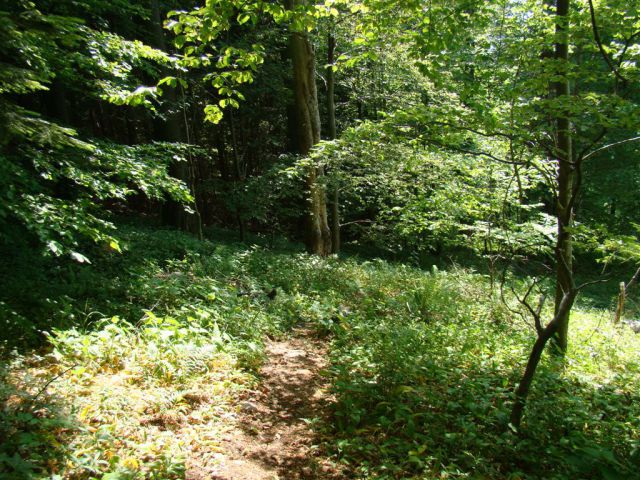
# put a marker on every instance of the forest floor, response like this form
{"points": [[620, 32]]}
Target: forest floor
{"points": [[222, 361], [272, 437]]}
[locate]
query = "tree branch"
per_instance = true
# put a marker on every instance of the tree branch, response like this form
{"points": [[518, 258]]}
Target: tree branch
{"points": [[477, 153], [627, 44], [596, 36], [611, 145], [356, 222], [633, 280], [600, 136], [473, 130], [42, 390]]}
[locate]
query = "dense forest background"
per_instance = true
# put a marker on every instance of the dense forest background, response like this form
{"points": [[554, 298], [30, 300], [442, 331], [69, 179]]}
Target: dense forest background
{"points": [[463, 177]]}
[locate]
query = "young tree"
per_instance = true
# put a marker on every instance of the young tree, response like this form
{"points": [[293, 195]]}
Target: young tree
{"points": [[566, 187], [199, 33], [331, 128], [171, 130], [539, 79]]}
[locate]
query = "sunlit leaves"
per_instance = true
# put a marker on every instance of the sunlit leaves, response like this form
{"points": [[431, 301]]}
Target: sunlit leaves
{"points": [[173, 82], [140, 96], [213, 113], [405, 175], [52, 181]]}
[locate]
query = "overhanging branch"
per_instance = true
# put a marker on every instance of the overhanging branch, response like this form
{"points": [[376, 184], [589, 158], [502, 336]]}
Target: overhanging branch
{"points": [[596, 36], [611, 145]]}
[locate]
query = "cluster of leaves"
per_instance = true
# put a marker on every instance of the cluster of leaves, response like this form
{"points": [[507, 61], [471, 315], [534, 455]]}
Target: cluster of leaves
{"points": [[482, 74], [53, 182], [415, 197], [96, 174]]}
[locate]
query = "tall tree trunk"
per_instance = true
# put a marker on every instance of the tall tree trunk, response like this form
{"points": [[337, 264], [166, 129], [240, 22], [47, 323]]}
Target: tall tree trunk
{"points": [[331, 81], [173, 213], [331, 120], [59, 101], [318, 235], [565, 178], [240, 171], [170, 129], [566, 291]]}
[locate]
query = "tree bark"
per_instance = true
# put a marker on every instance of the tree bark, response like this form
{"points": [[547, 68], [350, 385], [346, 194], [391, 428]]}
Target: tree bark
{"points": [[544, 334], [522, 391], [624, 290], [565, 178], [240, 174], [331, 121], [331, 80], [568, 185], [318, 235]]}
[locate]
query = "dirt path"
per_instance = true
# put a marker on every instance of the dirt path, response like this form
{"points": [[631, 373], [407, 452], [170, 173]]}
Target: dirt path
{"points": [[271, 438]]}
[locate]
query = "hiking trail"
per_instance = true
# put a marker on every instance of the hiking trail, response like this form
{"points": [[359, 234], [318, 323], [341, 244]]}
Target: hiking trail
{"points": [[271, 438]]}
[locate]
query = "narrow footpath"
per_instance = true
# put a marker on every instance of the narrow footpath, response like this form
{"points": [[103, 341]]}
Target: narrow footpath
{"points": [[271, 437]]}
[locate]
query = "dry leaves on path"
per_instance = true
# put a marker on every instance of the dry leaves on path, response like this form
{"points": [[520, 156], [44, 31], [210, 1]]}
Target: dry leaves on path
{"points": [[272, 438]]}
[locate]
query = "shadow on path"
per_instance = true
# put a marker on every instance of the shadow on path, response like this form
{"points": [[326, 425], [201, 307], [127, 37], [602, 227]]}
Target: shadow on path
{"points": [[273, 438]]}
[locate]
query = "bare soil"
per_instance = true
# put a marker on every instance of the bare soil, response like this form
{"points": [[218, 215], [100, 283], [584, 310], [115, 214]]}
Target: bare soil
{"points": [[272, 438]]}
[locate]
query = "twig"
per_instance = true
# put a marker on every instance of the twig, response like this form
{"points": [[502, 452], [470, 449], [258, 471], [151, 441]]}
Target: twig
{"points": [[53, 380], [627, 44], [356, 221], [592, 282], [633, 280]]}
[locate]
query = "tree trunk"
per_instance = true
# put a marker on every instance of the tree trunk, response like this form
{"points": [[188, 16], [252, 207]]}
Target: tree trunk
{"points": [[240, 174], [566, 173], [170, 130], [318, 235], [522, 391], [331, 120], [566, 291], [59, 99], [544, 334], [624, 290], [173, 213], [620, 306], [331, 80]]}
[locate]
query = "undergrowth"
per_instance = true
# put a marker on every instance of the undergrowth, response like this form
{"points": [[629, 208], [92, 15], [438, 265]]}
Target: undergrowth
{"points": [[140, 360]]}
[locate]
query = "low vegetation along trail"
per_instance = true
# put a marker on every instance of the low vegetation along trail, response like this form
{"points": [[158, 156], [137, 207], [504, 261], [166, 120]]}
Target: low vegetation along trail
{"points": [[272, 438]]}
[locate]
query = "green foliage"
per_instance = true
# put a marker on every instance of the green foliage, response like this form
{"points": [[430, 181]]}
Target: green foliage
{"points": [[53, 182], [423, 364], [29, 428], [197, 36], [429, 395], [103, 172], [419, 197], [449, 142]]}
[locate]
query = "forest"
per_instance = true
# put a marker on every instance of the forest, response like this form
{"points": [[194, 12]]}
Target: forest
{"points": [[319, 239]]}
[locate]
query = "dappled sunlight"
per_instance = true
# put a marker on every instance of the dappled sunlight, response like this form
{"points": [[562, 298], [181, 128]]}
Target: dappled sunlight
{"points": [[319, 240], [421, 368]]}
